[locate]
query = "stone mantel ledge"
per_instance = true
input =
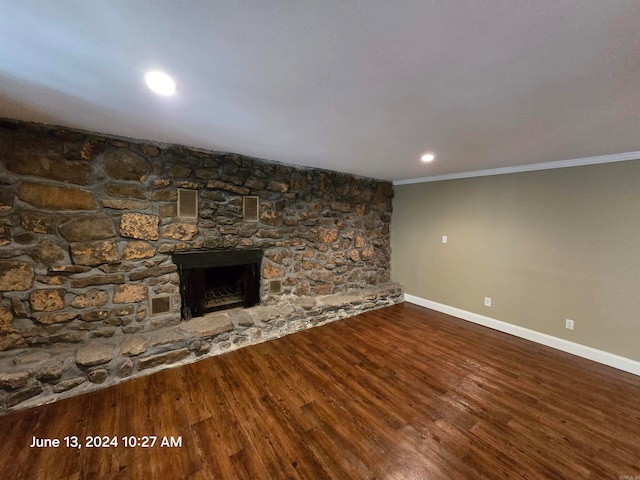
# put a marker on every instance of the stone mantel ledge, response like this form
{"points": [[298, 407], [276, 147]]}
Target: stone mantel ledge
{"points": [[29, 378]]}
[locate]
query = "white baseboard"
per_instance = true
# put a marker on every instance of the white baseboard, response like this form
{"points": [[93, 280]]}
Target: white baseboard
{"points": [[600, 356]]}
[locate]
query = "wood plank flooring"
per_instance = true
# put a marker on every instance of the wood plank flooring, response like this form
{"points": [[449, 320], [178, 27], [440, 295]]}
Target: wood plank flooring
{"points": [[399, 393]]}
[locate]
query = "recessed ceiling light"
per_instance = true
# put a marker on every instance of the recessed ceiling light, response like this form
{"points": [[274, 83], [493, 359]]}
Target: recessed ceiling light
{"points": [[428, 157], [161, 83]]}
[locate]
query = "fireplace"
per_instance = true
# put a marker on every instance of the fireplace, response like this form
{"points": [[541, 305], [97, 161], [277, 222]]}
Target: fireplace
{"points": [[212, 280]]}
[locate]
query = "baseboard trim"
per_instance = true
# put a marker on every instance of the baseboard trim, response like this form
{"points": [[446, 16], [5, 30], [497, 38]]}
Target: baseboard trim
{"points": [[600, 356]]}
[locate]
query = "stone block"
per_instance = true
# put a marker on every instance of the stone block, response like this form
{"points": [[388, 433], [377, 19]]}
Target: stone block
{"points": [[5, 237], [26, 238], [381, 203], [122, 311], [99, 375], [150, 150], [129, 293], [152, 272], [269, 233], [367, 252], [47, 300], [83, 228], [13, 381], [276, 186], [123, 164], [47, 252], [166, 210], [163, 358], [18, 308], [269, 270], [32, 357], [50, 371], [208, 325], [67, 337], [218, 185], [134, 345], [20, 396], [131, 327], [179, 171], [53, 197], [124, 204], [265, 314], [136, 250], [95, 315], [240, 317], [341, 207], [298, 182], [180, 231], [16, 276], [68, 269], [353, 255], [68, 384], [273, 219], [165, 195], [322, 276], [94, 354], [37, 222], [67, 171], [106, 332], [328, 235], [96, 280], [93, 298], [338, 301], [160, 183], [139, 225], [51, 318], [10, 340], [324, 289], [167, 336], [6, 200], [126, 369], [207, 173], [306, 303], [95, 253], [124, 190], [52, 280], [116, 268]]}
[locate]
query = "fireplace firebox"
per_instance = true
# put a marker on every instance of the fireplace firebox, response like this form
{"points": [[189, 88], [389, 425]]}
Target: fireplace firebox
{"points": [[212, 280]]}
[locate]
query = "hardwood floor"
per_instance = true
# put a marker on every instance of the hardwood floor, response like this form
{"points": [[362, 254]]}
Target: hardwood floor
{"points": [[402, 392]]}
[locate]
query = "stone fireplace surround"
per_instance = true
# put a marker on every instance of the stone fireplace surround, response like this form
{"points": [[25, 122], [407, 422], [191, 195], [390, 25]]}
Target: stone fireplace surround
{"points": [[88, 227]]}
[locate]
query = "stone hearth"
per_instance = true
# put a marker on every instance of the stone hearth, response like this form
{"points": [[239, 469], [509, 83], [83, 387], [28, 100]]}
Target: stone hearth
{"points": [[90, 292]]}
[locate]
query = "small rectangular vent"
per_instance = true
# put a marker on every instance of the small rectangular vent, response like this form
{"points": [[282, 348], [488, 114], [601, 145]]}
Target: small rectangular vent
{"points": [[250, 209], [275, 286], [187, 203], [160, 304]]}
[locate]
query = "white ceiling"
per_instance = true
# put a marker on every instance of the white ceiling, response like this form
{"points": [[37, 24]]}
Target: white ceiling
{"points": [[359, 86]]}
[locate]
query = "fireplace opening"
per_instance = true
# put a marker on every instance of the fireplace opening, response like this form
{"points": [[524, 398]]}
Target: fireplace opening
{"points": [[212, 280], [224, 288]]}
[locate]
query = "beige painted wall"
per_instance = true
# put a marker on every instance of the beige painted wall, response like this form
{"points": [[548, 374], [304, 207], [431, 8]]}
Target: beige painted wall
{"points": [[546, 246]]}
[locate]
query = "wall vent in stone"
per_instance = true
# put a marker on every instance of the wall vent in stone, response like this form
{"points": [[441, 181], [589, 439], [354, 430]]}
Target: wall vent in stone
{"points": [[187, 203], [160, 304], [275, 286], [250, 209]]}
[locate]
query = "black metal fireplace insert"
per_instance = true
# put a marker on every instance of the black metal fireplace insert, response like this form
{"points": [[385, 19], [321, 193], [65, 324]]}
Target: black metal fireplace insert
{"points": [[212, 280]]}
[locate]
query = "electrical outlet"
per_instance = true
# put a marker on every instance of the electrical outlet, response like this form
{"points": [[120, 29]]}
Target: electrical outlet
{"points": [[568, 324], [487, 301], [444, 239]]}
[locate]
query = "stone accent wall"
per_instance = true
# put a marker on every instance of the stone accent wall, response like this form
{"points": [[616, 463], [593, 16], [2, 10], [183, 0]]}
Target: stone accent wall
{"points": [[87, 226]]}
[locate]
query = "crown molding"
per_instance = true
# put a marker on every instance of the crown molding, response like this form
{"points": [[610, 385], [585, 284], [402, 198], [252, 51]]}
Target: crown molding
{"points": [[578, 162]]}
